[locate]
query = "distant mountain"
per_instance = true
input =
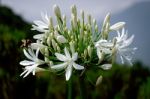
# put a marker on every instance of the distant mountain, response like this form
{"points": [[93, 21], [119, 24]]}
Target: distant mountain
{"points": [[137, 18], [8, 18]]}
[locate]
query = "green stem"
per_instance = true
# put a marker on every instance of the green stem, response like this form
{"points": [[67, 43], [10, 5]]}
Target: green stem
{"points": [[69, 90], [82, 87]]}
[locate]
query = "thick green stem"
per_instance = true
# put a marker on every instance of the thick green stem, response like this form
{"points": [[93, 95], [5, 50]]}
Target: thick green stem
{"points": [[82, 87], [69, 89]]}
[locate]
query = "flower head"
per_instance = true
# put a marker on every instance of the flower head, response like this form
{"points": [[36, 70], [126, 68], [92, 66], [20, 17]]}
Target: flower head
{"points": [[122, 43], [31, 66]]}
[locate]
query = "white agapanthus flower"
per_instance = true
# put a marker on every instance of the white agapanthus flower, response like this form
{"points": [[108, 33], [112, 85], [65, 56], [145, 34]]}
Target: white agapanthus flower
{"points": [[103, 46], [68, 63], [122, 48], [41, 26], [32, 63]]}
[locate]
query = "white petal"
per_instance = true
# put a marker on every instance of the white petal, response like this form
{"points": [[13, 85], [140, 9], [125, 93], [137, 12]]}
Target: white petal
{"points": [[68, 72], [27, 73], [37, 45], [99, 53], [41, 24], [38, 36], [37, 52], [31, 52], [78, 67], [23, 72], [106, 66], [117, 26], [67, 53], [129, 41], [45, 18], [61, 57], [122, 61], [26, 62], [34, 27], [59, 66], [27, 55], [75, 56], [106, 50]]}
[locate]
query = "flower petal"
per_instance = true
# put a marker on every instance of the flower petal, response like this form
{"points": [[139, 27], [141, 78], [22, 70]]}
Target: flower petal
{"points": [[67, 53], [68, 72], [41, 24], [78, 67], [37, 45], [27, 55], [38, 36], [59, 66], [99, 53], [61, 57], [26, 63], [75, 56]]}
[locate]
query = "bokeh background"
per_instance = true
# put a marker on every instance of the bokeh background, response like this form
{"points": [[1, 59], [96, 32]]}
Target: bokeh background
{"points": [[121, 82]]}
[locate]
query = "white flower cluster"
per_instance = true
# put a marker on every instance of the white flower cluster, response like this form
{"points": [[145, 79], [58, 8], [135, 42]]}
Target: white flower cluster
{"points": [[78, 47]]}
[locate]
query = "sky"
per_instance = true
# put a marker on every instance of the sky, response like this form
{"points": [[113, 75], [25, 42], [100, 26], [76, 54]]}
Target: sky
{"points": [[31, 9], [136, 17]]}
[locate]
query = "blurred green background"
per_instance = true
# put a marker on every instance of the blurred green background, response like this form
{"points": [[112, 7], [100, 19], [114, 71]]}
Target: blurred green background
{"points": [[121, 82]]}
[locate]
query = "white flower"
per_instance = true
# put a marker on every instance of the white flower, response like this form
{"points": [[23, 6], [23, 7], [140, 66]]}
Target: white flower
{"points": [[42, 26], [122, 44], [103, 46], [31, 66], [69, 63]]}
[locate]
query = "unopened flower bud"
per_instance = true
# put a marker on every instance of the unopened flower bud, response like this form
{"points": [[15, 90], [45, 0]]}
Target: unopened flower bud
{"points": [[89, 19], [64, 20], [74, 20], [61, 39], [72, 47], [89, 49], [54, 44], [82, 14], [85, 53], [57, 11], [51, 63], [94, 22], [106, 66], [46, 51], [49, 41], [99, 80], [96, 28], [107, 19], [58, 48], [74, 10], [51, 23]]}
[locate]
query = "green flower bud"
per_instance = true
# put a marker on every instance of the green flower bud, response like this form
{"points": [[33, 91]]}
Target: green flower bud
{"points": [[57, 11], [54, 44]]}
